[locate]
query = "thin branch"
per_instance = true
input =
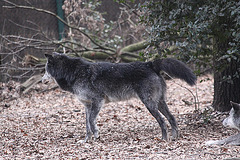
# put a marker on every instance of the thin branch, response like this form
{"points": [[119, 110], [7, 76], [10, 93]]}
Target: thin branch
{"points": [[129, 7], [196, 101], [12, 67], [59, 18], [25, 27]]}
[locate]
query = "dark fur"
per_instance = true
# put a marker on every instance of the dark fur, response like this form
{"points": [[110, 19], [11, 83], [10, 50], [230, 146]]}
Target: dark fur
{"points": [[96, 83]]}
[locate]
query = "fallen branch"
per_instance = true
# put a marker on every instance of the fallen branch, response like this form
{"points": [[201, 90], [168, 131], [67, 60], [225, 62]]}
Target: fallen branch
{"points": [[135, 47], [27, 85]]}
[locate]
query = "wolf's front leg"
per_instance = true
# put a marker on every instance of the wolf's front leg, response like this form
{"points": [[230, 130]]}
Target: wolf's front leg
{"points": [[88, 126], [232, 140], [214, 142], [95, 109], [92, 109]]}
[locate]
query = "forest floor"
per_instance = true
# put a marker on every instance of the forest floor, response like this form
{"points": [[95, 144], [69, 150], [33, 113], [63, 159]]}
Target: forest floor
{"points": [[48, 124]]}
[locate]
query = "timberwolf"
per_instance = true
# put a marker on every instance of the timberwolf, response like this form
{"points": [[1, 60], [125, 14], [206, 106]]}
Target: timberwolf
{"points": [[97, 83], [233, 121]]}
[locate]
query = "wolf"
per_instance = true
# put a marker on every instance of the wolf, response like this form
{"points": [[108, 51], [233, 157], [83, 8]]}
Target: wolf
{"points": [[232, 121], [97, 83]]}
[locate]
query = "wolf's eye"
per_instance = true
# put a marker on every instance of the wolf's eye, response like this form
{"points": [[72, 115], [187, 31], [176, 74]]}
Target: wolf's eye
{"points": [[50, 63], [59, 57]]}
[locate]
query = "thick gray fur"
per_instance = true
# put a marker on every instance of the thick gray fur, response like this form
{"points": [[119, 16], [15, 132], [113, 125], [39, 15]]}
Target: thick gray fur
{"points": [[99, 83], [232, 121]]}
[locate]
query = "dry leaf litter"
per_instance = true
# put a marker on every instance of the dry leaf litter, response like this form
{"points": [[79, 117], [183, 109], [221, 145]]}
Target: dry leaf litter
{"points": [[48, 124]]}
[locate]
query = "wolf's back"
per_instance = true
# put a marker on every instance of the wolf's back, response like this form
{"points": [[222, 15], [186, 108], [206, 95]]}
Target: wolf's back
{"points": [[175, 68]]}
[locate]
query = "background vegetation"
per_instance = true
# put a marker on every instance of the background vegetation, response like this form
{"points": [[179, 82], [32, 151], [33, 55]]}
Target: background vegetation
{"points": [[205, 34]]}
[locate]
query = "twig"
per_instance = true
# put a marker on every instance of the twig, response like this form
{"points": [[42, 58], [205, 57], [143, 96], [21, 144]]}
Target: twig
{"points": [[195, 99], [49, 89], [14, 5], [129, 7]]}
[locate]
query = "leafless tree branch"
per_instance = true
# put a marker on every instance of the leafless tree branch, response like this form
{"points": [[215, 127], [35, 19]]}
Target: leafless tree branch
{"points": [[14, 5], [74, 42]]}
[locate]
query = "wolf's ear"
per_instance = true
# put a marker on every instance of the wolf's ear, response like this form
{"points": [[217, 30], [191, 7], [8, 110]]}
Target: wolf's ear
{"points": [[56, 54], [235, 106], [48, 56]]}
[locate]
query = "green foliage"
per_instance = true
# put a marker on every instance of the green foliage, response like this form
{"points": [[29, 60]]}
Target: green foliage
{"points": [[206, 115], [197, 28]]}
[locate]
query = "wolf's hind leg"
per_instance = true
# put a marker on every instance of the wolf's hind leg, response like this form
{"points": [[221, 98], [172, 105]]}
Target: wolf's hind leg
{"points": [[163, 108], [153, 109]]}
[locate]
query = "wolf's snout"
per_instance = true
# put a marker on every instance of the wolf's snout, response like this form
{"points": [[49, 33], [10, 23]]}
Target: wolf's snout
{"points": [[46, 78], [229, 122], [225, 123]]}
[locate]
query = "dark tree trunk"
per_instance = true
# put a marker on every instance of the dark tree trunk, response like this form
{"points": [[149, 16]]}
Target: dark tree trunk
{"points": [[226, 90], [226, 79]]}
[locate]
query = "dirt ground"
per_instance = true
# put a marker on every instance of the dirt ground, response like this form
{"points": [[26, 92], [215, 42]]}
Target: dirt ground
{"points": [[48, 124]]}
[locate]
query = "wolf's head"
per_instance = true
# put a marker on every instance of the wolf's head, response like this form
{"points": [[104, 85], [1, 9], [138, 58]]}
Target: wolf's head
{"points": [[54, 63], [63, 69], [233, 120]]}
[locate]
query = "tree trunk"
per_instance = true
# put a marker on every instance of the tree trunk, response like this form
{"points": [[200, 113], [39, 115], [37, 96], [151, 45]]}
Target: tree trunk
{"points": [[226, 83]]}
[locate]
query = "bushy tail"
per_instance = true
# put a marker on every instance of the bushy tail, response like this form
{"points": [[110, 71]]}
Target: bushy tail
{"points": [[176, 69]]}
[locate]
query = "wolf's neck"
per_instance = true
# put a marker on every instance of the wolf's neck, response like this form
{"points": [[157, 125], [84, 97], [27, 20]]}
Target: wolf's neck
{"points": [[76, 69]]}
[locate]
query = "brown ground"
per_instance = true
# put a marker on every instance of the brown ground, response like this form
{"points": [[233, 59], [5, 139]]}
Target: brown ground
{"points": [[49, 125]]}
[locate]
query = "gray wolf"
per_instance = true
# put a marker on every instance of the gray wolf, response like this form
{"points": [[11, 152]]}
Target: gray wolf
{"points": [[97, 83], [232, 121]]}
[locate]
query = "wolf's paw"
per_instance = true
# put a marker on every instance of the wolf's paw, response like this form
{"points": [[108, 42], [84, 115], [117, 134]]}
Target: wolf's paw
{"points": [[81, 142], [96, 136], [174, 135], [87, 138], [211, 142]]}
